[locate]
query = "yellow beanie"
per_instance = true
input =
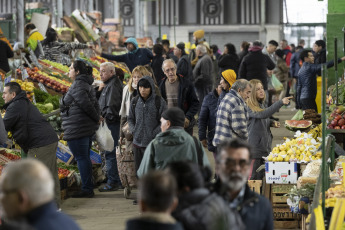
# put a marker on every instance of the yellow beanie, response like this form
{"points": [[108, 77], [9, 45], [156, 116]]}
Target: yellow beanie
{"points": [[199, 34], [229, 76]]}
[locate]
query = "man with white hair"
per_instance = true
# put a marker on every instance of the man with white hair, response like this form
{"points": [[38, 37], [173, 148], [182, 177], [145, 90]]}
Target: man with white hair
{"points": [[110, 97], [27, 193], [202, 73]]}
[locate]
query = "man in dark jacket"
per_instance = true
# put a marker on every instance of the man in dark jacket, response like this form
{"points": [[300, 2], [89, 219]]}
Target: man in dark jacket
{"points": [[202, 73], [307, 85], [27, 189], [157, 198], [320, 54], [110, 104], [184, 67], [168, 52], [233, 167], [255, 65], [157, 62], [179, 92], [5, 54], [31, 131], [208, 117], [135, 56]]}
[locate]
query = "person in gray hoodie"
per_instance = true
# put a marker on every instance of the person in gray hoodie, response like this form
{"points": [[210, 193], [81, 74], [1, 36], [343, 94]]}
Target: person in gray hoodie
{"points": [[144, 117]]}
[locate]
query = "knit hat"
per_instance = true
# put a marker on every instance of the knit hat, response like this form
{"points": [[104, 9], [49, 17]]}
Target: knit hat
{"points": [[133, 41], [229, 76], [199, 34], [175, 116]]}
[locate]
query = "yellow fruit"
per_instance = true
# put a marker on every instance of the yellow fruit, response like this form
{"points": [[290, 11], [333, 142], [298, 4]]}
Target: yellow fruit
{"points": [[270, 158], [308, 154], [307, 159], [280, 158], [298, 152], [275, 150], [282, 147], [301, 158], [313, 158], [274, 159], [302, 148], [287, 158], [290, 152], [282, 153]]}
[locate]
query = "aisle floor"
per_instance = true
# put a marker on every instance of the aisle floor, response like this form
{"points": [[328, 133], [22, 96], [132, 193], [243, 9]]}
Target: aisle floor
{"points": [[111, 210]]}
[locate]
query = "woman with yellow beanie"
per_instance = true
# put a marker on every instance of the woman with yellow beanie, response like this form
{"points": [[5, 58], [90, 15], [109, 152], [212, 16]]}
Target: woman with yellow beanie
{"points": [[228, 77]]}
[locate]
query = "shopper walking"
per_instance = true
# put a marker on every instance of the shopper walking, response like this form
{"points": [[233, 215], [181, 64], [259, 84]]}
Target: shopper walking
{"points": [[259, 131], [281, 72], [157, 62], [80, 115], [184, 67], [229, 59]]}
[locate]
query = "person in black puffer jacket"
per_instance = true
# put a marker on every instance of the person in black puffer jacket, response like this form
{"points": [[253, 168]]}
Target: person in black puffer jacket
{"points": [[157, 62], [198, 208], [80, 115], [229, 59], [31, 131]]}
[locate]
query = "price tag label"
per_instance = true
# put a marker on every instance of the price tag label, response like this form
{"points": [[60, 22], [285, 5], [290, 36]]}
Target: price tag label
{"points": [[25, 74], [42, 87]]}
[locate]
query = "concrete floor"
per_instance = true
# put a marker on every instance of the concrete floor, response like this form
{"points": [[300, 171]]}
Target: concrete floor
{"points": [[111, 210]]}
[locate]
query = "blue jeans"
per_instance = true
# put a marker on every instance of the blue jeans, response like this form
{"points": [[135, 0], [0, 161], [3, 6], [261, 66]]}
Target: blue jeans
{"points": [[110, 157], [81, 151]]}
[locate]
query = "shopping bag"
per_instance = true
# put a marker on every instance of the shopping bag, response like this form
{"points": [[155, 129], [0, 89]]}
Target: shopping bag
{"points": [[278, 86], [104, 138]]}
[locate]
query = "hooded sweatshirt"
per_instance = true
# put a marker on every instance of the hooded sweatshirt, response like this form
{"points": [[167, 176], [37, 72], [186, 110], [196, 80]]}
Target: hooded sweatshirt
{"points": [[142, 118], [174, 144]]}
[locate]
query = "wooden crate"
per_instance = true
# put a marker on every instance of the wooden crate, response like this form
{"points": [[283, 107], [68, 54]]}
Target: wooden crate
{"points": [[255, 186], [286, 224], [277, 193]]}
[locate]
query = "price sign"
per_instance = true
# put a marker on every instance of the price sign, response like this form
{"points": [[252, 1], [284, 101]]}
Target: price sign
{"points": [[25, 74], [42, 87]]}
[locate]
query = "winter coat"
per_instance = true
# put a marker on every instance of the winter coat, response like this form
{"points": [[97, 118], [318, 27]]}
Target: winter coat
{"points": [[143, 121], [33, 39], [207, 119], [307, 84], [156, 65], [281, 71], [202, 72], [57, 51], [294, 63], [187, 99], [3, 133], [288, 55], [241, 55], [201, 210], [259, 131], [232, 118], [153, 221], [254, 66], [184, 67], [110, 100], [228, 61], [80, 111], [255, 210], [27, 125], [141, 56], [173, 145], [320, 58], [46, 217], [5, 54]]}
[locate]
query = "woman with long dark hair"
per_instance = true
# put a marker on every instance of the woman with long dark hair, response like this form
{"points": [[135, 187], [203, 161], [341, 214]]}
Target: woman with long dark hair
{"points": [[58, 51], [80, 115], [229, 59]]}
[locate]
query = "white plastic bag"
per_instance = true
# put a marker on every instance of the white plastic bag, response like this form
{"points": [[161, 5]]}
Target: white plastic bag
{"points": [[104, 138]]}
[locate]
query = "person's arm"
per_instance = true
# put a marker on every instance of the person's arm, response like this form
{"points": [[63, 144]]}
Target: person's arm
{"points": [[11, 118], [183, 68], [239, 123], [203, 118], [161, 110], [32, 44], [193, 102], [82, 98], [131, 117], [288, 59], [270, 63], [268, 112], [118, 58], [317, 67], [149, 54], [147, 162], [242, 72]]}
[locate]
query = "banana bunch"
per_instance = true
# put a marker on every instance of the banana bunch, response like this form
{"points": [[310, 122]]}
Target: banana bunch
{"points": [[25, 85], [317, 131]]}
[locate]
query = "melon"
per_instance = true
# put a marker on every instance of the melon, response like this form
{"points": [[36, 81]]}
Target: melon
{"points": [[294, 125]]}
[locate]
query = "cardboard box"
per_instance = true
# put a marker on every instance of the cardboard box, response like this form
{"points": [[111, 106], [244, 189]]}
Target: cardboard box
{"points": [[64, 154], [34, 5], [95, 157], [112, 20], [281, 172]]}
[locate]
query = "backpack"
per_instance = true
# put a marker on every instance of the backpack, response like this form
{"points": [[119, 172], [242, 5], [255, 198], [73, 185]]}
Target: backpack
{"points": [[157, 103]]}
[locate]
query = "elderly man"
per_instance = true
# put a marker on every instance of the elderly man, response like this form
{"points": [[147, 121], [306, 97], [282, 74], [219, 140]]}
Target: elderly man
{"points": [[202, 73], [179, 92], [135, 56], [232, 114], [27, 193], [31, 131], [110, 97], [233, 167], [172, 144], [157, 199]]}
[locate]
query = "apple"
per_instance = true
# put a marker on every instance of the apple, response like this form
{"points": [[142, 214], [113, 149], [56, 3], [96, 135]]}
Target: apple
{"points": [[330, 127], [337, 127], [338, 117], [341, 122], [343, 127], [334, 122]]}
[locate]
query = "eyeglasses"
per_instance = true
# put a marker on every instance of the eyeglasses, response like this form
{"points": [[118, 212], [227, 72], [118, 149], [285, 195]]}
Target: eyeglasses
{"points": [[231, 163], [168, 70]]}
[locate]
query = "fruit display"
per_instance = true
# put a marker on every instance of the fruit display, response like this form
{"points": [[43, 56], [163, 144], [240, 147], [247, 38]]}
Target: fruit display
{"points": [[55, 65], [26, 86], [50, 81], [295, 125], [312, 115], [8, 155], [303, 148], [336, 119], [63, 173]]}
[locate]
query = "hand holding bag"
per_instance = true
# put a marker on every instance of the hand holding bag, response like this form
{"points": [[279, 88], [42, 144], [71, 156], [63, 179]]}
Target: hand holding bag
{"points": [[104, 138]]}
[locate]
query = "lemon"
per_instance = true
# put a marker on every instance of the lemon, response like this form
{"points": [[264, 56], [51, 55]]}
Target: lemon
{"points": [[280, 158], [274, 159], [298, 152], [317, 158], [287, 158], [302, 148], [270, 158], [308, 153], [313, 158], [282, 147], [275, 150], [290, 152], [301, 158], [307, 159], [282, 153]]}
